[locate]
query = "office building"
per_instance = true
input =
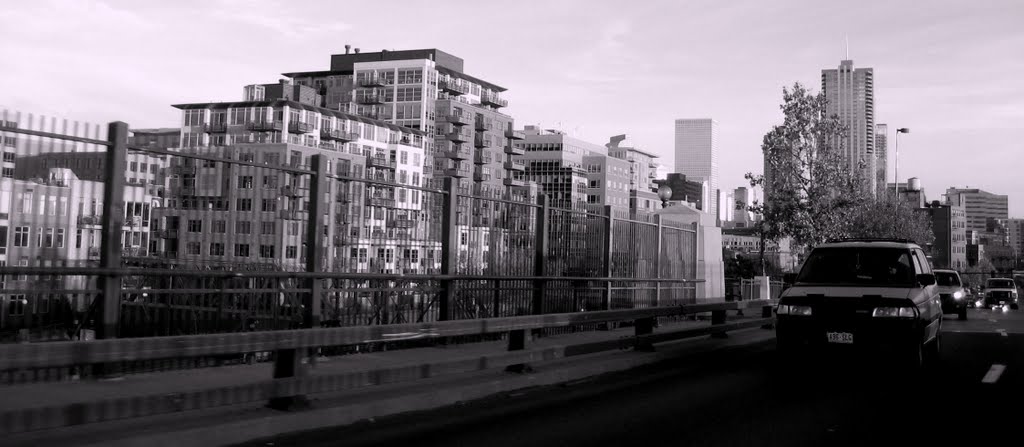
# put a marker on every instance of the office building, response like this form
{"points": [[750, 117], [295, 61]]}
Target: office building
{"points": [[643, 170], [882, 154], [558, 163], [696, 151], [742, 199], [851, 97], [1015, 234], [981, 206], [468, 138]]}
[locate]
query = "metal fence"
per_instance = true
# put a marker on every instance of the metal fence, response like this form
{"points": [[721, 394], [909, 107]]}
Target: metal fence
{"points": [[108, 235]]}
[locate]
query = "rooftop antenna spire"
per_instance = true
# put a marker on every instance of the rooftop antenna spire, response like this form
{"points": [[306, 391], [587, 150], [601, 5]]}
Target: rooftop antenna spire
{"points": [[847, 47]]}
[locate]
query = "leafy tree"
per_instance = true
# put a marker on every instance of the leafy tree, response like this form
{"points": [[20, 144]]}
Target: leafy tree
{"points": [[809, 186], [887, 217]]}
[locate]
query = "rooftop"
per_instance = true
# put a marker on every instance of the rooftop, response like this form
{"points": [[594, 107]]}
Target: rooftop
{"points": [[297, 105]]}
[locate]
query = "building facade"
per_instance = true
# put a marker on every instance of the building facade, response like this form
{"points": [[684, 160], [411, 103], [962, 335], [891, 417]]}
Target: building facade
{"points": [[236, 214], [555, 161], [981, 206], [643, 171], [696, 150], [882, 154], [949, 224]]}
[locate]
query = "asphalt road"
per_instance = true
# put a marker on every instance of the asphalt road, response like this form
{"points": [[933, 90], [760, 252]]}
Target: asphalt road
{"points": [[742, 398]]}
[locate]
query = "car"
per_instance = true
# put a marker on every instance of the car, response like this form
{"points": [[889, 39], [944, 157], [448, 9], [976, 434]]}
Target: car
{"points": [[863, 296], [999, 292], [952, 293]]}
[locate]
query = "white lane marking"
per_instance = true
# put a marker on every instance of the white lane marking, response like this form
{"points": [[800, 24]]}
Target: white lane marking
{"points": [[992, 320], [1002, 332], [993, 373]]}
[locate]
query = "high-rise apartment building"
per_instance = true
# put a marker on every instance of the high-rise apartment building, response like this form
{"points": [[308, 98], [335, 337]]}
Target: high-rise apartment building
{"points": [[241, 214], [468, 138], [696, 151], [882, 154], [949, 224], [851, 97], [1015, 234], [981, 207], [643, 171]]}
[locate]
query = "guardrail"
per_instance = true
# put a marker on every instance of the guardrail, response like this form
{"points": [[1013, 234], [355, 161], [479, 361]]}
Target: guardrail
{"points": [[283, 392]]}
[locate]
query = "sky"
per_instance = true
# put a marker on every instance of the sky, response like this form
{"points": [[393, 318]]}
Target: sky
{"points": [[951, 71]]}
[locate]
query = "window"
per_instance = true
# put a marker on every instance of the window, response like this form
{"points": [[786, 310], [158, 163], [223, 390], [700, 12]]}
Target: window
{"points": [[267, 228], [269, 181], [194, 248], [8, 172], [389, 255], [291, 252], [133, 166], [60, 237], [244, 205], [243, 227], [402, 195], [464, 239], [16, 305], [21, 235], [416, 160], [362, 255], [242, 250], [293, 229], [404, 157], [268, 205], [245, 182], [216, 249], [220, 226], [266, 251], [78, 238], [415, 179], [195, 226]]}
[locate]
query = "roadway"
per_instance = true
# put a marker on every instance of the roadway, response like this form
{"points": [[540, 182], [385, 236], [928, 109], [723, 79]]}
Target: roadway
{"points": [[741, 398]]}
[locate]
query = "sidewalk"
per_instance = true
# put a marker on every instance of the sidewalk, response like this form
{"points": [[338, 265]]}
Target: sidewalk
{"points": [[472, 380]]}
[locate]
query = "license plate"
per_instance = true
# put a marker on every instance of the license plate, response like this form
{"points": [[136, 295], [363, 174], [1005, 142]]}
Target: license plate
{"points": [[840, 337]]}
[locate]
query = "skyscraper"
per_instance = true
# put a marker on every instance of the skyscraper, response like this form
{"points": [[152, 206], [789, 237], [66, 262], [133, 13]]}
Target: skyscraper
{"points": [[697, 154], [851, 96], [882, 153]]}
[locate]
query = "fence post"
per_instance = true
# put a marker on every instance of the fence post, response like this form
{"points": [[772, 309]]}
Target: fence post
{"points": [[657, 260], [110, 245], [449, 254], [606, 269], [542, 247], [288, 362]]}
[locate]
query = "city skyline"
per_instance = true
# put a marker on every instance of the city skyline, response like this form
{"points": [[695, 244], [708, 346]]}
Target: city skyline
{"points": [[954, 89]]}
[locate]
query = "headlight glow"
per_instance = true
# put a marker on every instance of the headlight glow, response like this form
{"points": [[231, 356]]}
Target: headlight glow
{"points": [[958, 295], [785, 309], [894, 312]]}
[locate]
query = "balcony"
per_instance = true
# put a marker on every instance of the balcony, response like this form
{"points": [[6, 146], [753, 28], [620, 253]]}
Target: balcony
{"points": [[459, 172], [94, 253], [652, 164], [182, 170], [509, 181], [386, 202], [372, 98], [164, 234], [483, 124], [381, 162], [373, 80], [492, 99], [480, 176], [90, 220], [338, 135], [300, 127], [290, 191], [483, 157], [342, 239], [516, 165], [514, 150], [458, 152], [215, 128], [264, 126], [515, 134], [458, 119], [458, 136], [401, 222], [652, 174], [453, 87], [290, 214], [480, 142]]}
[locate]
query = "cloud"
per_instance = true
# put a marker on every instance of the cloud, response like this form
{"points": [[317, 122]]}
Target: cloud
{"points": [[281, 21]]}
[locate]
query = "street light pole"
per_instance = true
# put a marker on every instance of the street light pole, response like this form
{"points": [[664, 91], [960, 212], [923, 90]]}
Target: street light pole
{"points": [[897, 147]]}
